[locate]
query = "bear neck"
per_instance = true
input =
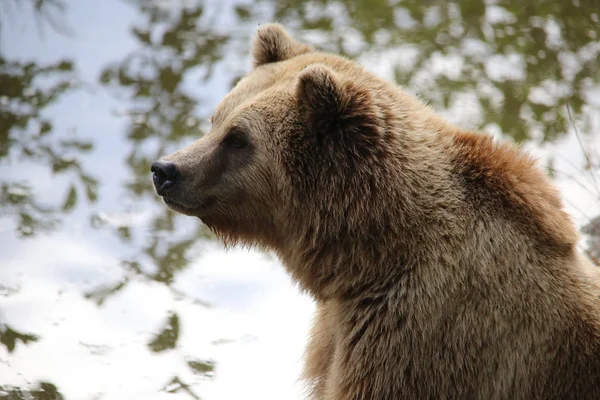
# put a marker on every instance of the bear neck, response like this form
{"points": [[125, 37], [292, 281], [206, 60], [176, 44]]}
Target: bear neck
{"points": [[439, 219]]}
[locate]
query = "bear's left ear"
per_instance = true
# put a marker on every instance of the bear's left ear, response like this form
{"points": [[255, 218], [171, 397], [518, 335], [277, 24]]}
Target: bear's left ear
{"points": [[273, 43], [333, 107]]}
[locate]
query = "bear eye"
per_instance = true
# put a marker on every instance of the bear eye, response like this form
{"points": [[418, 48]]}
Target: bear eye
{"points": [[236, 139]]}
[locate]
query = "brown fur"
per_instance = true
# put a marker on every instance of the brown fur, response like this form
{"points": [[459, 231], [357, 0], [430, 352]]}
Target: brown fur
{"points": [[441, 262]]}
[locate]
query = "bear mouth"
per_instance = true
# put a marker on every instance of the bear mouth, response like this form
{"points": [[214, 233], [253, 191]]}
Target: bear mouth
{"points": [[180, 208]]}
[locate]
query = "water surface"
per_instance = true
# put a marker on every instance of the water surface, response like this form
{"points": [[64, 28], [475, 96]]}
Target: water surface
{"points": [[104, 293]]}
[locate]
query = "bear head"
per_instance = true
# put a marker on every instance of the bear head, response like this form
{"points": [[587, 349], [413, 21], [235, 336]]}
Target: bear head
{"points": [[292, 148]]}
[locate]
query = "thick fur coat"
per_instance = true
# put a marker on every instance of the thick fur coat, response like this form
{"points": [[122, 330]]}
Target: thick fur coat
{"points": [[441, 262]]}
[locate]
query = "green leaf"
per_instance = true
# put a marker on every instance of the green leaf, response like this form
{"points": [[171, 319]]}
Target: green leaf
{"points": [[167, 338], [76, 144], [91, 191], [243, 12], [45, 127], [71, 199], [61, 164], [124, 232], [202, 367], [65, 66], [142, 35], [10, 337], [106, 76]]}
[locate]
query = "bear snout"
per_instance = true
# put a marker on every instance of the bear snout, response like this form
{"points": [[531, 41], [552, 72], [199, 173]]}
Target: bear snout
{"points": [[165, 175]]}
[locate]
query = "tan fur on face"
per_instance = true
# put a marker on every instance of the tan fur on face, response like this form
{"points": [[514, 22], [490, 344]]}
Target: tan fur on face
{"points": [[442, 263]]}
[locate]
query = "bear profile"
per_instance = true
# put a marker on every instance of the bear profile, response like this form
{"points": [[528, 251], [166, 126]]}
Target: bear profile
{"points": [[441, 262]]}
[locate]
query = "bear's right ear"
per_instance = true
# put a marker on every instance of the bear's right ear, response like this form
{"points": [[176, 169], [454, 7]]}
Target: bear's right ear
{"points": [[337, 109], [272, 43]]}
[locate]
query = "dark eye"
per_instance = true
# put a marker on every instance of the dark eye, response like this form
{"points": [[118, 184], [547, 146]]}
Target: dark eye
{"points": [[236, 139]]}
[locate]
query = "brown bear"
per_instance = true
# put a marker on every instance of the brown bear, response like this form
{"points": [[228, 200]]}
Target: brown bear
{"points": [[441, 262]]}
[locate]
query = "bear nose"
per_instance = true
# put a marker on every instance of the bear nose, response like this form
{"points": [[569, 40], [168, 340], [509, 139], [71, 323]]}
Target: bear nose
{"points": [[165, 176]]}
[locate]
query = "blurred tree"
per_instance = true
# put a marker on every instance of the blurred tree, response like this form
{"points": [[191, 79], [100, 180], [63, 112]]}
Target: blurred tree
{"points": [[43, 11], [27, 133], [174, 42], [27, 88], [39, 391], [523, 62], [168, 336], [9, 337]]}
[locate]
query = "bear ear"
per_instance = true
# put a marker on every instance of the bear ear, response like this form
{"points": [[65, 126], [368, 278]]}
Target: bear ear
{"points": [[333, 106], [272, 43]]}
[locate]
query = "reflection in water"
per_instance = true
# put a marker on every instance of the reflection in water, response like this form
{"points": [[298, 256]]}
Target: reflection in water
{"points": [[9, 337], [523, 63], [514, 68], [43, 12], [593, 231], [171, 44], [40, 391], [26, 134]]}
